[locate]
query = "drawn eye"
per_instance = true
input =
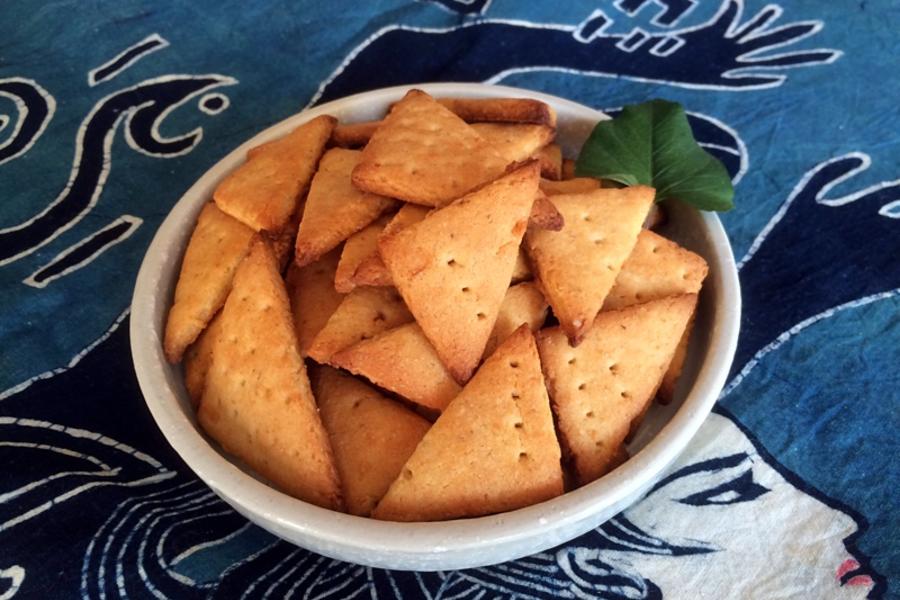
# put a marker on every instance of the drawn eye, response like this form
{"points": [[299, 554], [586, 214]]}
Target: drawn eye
{"points": [[740, 489]]}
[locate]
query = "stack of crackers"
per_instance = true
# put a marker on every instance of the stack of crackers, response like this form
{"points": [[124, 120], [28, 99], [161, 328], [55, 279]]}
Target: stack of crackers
{"points": [[428, 317]]}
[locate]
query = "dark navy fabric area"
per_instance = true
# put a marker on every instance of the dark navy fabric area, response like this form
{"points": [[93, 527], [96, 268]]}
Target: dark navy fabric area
{"points": [[110, 111]]}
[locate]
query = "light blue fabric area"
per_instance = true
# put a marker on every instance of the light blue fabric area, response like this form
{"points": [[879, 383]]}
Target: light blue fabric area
{"points": [[826, 405]]}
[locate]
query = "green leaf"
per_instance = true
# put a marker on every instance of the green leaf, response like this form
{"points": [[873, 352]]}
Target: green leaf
{"points": [[652, 144]]}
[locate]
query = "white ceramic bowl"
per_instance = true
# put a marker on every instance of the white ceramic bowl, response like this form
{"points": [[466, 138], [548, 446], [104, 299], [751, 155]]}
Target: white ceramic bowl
{"points": [[449, 544]]}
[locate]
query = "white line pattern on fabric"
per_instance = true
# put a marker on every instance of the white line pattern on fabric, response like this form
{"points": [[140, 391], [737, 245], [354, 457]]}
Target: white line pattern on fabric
{"points": [[74, 361], [133, 224], [22, 110], [107, 160], [787, 335], [864, 163], [153, 37]]}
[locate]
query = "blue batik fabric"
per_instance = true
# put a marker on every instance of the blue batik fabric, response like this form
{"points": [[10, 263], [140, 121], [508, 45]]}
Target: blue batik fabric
{"points": [[110, 110]]}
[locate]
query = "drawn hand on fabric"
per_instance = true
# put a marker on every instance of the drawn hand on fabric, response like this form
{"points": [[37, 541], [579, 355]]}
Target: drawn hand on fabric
{"points": [[722, 53], [727, 502], [849, 253], [747, 46]]}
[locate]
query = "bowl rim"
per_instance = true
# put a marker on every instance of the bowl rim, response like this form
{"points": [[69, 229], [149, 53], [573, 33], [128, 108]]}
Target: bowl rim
{"points": [[334, 530]]}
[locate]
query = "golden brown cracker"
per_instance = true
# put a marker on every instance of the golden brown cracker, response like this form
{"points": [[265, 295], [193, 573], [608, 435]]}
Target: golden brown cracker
{"points": [[257, 402], [501, 110], [335, 208], [579, 185], [568, 169], [357, 249], [523, 304], [197, 359], [656, 268], [666, 392], [372, 270], [545, 215], [516, 141], [353, 135], [313, 297], [550, 157], [283, 241], [217, 246], [362, 314], [521, 270], [453, 267], [493, 449], [372, 436], [599, 387], [406, 216], [423, 153], [578, 265], [403, 361], [264, 191]]}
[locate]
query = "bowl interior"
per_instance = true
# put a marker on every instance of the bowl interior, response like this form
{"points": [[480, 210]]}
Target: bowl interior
{"points": [[451, 544]]}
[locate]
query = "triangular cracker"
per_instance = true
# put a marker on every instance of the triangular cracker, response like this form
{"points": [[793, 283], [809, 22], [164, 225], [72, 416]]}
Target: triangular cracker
{"points": [[453, 267], [501, 110], [264, 191], [579, 185], [515, 141], [216, 248], [403, 361], [656, 268], [568, 169], [354, 135], [550, 157], [494, 449], [545, 215], [666, 392], [363, 313], [257, 402], [425, 154], [198, 358], [522, 270], [283, 241], [601, 386], [372, 270], [523, 304], [372, 436], [335, 208], [313, 297], [358, 248], [578, 265]]}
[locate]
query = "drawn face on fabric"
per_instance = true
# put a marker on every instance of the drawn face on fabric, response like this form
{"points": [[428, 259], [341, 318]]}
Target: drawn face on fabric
{"points": [[717, 521], [714, 525]]}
